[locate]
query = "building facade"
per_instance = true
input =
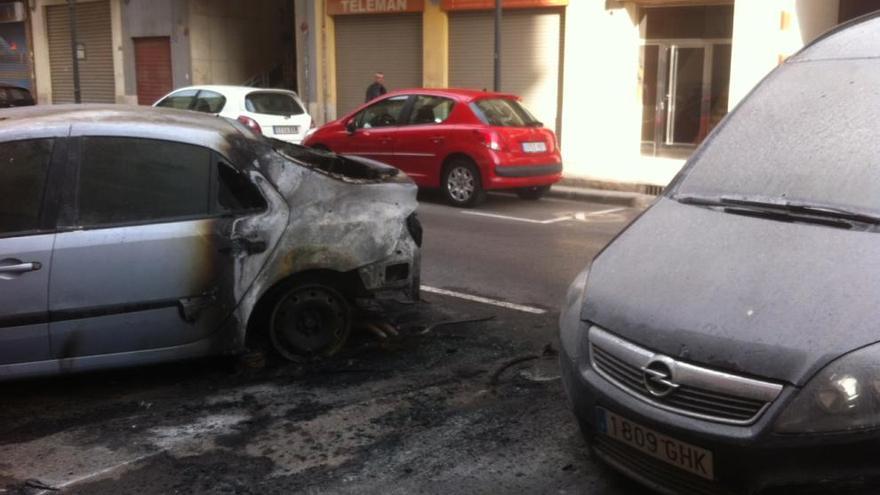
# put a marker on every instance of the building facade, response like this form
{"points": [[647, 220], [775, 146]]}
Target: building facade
{"points": [[134, 51], [631, 87]]}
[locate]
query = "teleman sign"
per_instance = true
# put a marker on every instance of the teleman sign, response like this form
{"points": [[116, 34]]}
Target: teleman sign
{"points": [[345, 7]]}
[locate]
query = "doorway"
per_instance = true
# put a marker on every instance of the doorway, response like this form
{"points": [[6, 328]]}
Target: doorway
{"points": [[684, 93], [685, 75]]}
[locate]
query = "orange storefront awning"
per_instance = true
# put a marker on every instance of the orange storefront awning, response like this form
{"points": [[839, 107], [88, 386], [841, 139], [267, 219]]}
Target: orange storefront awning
{"points": [[353, 7]]}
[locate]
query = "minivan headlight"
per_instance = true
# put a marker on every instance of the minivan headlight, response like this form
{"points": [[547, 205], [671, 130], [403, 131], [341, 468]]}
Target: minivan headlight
{"points": [[844, 396]]}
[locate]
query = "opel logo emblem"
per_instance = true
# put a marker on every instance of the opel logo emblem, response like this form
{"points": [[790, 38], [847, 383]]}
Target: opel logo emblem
{"points": [[657, 377]]}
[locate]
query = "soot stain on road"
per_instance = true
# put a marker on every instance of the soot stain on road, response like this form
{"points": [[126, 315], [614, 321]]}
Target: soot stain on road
{"points": [[420, 413]]}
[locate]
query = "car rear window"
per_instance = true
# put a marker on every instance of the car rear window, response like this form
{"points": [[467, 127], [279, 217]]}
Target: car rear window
{"points": [[182, 100], [209, 102], [503, 112], [271, 103], [807, 134]]}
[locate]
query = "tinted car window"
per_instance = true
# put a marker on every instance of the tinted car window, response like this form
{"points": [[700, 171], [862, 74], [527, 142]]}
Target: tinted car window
{"points": [[235, 192], [808, 134], [430, 110], [272, 103], [19, 94], [181, 100], [23, 169], [126, 180], [503, 112], [209, 102], [382, 114]]}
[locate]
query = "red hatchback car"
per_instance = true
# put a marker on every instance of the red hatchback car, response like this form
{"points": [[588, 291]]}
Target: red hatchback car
{"points": [[461, 141]]}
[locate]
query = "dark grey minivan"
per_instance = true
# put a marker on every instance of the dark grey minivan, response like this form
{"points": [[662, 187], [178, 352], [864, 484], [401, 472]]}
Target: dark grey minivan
{"points": [[133, 235], [728, 340]]}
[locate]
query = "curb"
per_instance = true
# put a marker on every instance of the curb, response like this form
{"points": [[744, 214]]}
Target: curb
{"points": [[629, 199]]}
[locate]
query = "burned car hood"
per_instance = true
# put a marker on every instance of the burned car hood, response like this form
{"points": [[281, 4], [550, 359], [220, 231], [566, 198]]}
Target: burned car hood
{"points": [[741, 294], [348, 168]]}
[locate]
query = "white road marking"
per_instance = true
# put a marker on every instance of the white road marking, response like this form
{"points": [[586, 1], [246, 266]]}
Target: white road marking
{"points": [[580, 216], [100, 472], [517, 219], [604, 212], [484, 300]]}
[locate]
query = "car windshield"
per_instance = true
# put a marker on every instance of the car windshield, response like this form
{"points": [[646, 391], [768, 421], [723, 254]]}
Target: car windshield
{"points": [[807, 135], [273, 104], [503, 112]]}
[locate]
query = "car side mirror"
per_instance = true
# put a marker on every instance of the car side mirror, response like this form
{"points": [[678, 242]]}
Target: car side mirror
{"points": [[350, 127]]}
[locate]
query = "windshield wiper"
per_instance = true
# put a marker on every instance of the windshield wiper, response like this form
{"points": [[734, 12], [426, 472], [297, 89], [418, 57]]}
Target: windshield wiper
{"points": [[781, 206]]}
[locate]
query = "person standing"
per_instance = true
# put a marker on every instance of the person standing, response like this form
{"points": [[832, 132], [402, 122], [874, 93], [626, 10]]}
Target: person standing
{"points": [[376, 89]]}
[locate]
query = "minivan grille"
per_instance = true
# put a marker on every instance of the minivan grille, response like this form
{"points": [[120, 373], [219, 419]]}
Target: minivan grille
{"points": [[698, 392]]}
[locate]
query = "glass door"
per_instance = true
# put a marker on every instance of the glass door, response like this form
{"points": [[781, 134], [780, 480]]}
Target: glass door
{"points": [[684, 93]]}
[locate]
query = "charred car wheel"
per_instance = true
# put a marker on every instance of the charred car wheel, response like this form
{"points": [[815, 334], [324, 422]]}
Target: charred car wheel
{"points": [[532, 193], [462, 185], [308, 322]]}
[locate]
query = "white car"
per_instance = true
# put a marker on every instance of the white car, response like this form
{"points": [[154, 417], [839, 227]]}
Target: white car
{"points": [[276, 113]]}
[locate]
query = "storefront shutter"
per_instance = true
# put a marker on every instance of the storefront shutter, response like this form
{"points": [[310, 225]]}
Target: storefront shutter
{"points": [[366, 44], [96, 69], [530, 56]]}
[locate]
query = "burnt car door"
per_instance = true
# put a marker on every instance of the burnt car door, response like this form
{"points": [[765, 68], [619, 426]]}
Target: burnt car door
{"points": [[150, 261], [26, 239]]}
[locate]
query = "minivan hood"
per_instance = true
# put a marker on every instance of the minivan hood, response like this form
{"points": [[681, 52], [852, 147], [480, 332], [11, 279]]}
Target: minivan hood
{"points": [[741, 294]]}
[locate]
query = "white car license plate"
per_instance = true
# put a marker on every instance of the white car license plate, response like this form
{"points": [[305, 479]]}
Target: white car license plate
{"points": [[536, 147], [683, 455], [286, 129]]}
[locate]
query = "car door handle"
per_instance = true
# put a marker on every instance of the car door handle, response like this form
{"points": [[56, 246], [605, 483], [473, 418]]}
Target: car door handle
{"points": [[385, 141], [20, 267], [438, 139]]}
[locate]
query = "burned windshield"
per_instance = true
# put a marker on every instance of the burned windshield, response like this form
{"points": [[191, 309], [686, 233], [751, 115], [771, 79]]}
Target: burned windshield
{"points": [[808, 134]]}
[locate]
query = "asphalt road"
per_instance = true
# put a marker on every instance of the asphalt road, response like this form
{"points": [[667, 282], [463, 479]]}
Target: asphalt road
{"points": [[520, 251], [470, 408]]}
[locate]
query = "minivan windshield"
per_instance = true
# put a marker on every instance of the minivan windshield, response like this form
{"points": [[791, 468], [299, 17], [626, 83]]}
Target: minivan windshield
{"points": [[503, 112], [808, 135]]}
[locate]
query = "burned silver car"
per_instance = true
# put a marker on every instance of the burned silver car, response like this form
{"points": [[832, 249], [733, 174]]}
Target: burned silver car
{"points": [[132, 236]]}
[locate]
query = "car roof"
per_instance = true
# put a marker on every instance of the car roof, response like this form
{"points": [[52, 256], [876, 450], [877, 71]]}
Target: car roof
{"points": [[42, 121], [460, 94], [233, 90]]}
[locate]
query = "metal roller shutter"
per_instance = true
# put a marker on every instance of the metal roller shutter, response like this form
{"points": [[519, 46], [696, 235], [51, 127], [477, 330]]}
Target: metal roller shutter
{"points": [[96, 70], [366, 44], [530, 50], [152, 62]]}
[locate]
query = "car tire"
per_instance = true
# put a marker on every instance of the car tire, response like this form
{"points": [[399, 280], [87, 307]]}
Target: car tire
{"points": [[309, 322], [532, 193], [461, 184]]}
